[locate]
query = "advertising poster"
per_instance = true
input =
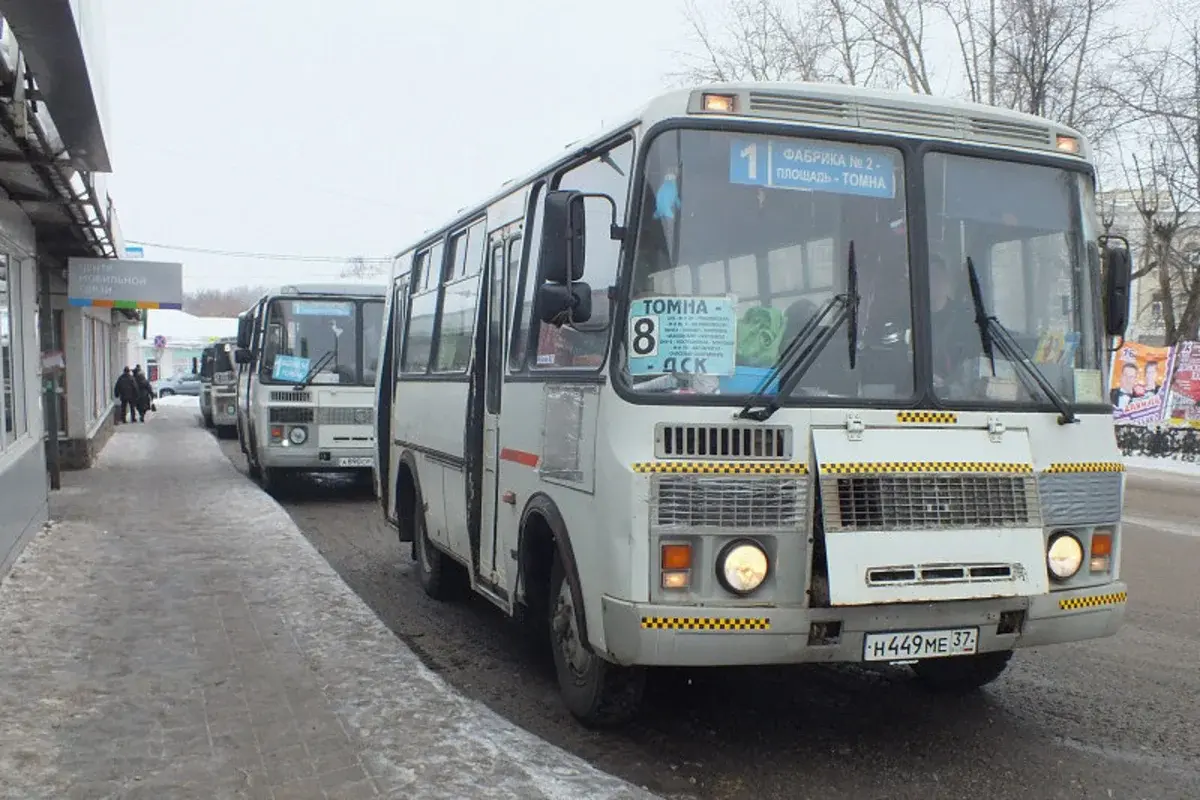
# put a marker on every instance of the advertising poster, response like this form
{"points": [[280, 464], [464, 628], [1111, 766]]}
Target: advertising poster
{"points": [[1183, 401], [1139, 383]]}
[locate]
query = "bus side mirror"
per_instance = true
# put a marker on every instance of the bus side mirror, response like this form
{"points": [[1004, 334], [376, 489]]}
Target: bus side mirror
{"points": [[245, 328], [564, 232], [560, 305], [1118, 275], [241, 356]]}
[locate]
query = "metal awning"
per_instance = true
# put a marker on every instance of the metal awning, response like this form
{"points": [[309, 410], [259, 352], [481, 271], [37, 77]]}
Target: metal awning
{"points": [[50, 40]]}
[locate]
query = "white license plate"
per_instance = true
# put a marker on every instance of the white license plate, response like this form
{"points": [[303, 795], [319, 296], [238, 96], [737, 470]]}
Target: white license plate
{"points": [[913, 645], [356, 462]]}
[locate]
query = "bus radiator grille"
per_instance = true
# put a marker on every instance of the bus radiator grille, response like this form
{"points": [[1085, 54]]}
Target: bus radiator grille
{"points": [[714, 501], [927, 502]]}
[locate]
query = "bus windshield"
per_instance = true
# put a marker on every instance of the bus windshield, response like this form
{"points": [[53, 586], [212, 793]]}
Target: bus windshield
{"points": [[221, 359], [742, 240], [1030, 237], [302, 333]]}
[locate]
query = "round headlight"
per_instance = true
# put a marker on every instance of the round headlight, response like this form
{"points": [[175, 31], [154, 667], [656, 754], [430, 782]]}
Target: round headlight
{"points": [[742, 566], [1064, 555], [298, 436]]}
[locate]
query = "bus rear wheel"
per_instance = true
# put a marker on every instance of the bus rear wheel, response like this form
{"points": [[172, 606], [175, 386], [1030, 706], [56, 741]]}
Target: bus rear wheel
{"points": [[598, 693], [960, 674]]}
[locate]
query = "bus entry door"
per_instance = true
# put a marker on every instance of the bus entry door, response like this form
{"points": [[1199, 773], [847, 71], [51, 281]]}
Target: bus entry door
{"points": [[491, 568]]}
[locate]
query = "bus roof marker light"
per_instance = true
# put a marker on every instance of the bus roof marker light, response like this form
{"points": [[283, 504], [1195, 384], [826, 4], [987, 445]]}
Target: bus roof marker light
{"points": [[718, 103], [1067, 144]]}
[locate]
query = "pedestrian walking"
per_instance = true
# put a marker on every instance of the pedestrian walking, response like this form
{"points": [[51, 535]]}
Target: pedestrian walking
{"points": [[145, 393], [126, 390]]}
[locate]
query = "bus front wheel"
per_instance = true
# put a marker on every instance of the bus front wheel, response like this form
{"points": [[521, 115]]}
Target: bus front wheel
{"points": [[962, 673], [598, 693]]}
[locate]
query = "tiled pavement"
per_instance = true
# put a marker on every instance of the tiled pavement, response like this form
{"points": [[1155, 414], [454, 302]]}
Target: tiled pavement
{"points": [[172, 635]]}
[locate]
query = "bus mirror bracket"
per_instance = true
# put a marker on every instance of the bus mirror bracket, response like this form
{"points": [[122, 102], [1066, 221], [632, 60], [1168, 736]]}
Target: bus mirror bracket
{"points": [[1118, 275], [564, 234], [560, 304], [241, 355]]}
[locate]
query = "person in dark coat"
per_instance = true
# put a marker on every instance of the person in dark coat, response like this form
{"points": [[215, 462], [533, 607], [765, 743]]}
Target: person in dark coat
{"points": [[126, 391], [145, 393]]}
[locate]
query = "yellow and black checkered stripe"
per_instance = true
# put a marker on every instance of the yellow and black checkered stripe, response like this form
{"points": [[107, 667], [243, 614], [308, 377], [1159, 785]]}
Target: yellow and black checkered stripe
{"points": [[918, 417], [720, 467], [876, 467], [1094, 601], [707, 623], [1085, 466]]}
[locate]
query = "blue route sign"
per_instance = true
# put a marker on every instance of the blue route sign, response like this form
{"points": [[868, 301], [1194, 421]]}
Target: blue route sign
{"points": [[806, 165]]}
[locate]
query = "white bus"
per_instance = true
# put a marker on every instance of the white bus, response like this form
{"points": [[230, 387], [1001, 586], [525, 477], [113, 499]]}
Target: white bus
{"points": [[769, 373], [218, 386], [307, 357]]}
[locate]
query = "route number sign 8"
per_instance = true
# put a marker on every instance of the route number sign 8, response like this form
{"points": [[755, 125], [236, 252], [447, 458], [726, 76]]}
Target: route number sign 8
{"points": [[643, 336]]}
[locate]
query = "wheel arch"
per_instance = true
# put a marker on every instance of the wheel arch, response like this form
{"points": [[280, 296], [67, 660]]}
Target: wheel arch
{"points": [[543, 532], [407, 495]]}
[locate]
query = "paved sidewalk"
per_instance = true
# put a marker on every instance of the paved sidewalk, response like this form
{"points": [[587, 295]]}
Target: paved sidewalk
{"points": [[173, 635]]}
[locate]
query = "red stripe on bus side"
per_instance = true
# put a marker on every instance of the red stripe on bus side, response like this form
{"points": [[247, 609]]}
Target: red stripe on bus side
{"points": [[519, 457]]}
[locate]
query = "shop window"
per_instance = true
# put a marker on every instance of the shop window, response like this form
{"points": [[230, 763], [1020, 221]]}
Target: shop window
{"points": [[9, 342]]}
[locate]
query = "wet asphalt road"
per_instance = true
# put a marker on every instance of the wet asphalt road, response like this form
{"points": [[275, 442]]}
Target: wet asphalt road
{"points": [[1115, 718]]}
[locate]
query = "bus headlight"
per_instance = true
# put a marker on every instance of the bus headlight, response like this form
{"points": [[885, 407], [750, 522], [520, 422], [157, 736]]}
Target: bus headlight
{"points": [[298, 436], [1064, 555], [742, 566]]}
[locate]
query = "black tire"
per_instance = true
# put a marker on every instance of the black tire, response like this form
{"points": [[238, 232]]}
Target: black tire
{"points": [[598, 693], [165, 393], [275, 481], [208, 421], [962, 674], [440, 576]]}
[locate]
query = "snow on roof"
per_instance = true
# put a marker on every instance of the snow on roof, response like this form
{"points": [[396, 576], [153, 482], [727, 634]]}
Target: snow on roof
{"points": [[186, 330]]}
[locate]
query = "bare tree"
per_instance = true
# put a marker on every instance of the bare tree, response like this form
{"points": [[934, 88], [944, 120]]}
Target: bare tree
{"points": [[359, 267], [1159, 93], [777, 40]]}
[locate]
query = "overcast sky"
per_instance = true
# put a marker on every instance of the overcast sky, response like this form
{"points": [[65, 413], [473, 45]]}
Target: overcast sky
{"points": [[348, 127]]}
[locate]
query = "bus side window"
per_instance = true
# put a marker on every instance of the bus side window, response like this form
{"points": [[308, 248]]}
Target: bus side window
{"points": [[459, 296], [584, 347]]}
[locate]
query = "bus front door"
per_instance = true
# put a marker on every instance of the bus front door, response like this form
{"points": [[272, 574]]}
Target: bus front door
{"points": [[491, 569]]}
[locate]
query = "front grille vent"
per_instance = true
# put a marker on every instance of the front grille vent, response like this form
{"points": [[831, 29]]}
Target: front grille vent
{"points": [[711, 501], [291, 414], [340, 415], [926, 502], [752, 442], [291, 397], [939, 573]]}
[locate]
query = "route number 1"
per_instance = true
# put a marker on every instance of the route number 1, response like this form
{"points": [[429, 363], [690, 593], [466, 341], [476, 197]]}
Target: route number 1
{"points": [[643, 336], [750, 153]]}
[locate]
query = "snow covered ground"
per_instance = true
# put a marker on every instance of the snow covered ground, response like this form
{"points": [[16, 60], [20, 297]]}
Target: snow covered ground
{"points": [[1189, 468]]}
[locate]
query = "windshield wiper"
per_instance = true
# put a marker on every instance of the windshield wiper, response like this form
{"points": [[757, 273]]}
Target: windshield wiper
{"points": [[313, 370], [992, 332], [800, 354]]}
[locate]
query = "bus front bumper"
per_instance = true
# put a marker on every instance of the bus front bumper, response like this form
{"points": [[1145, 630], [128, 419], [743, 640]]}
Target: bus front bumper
{"points": [[310, 459], [662, 635], [224, 409]]}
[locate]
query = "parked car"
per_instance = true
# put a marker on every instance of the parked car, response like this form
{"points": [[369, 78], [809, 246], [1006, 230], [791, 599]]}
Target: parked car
{"points": [[188, 384]]}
